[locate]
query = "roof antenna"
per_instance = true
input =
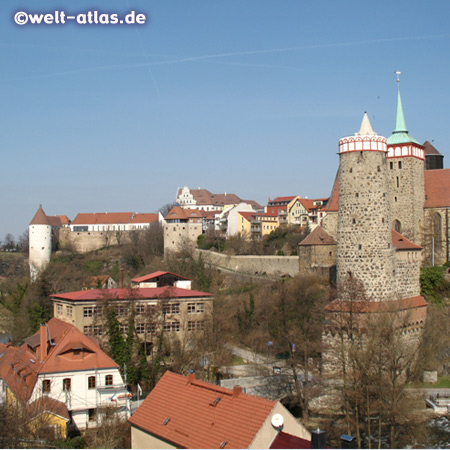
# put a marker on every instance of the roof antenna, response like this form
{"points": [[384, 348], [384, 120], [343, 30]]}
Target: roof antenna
{"points": [[398, 75]]}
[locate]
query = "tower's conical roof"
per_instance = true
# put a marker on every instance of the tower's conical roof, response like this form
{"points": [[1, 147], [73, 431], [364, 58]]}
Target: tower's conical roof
{"points": [[40, 218], [400, 134], [366, 127], [430, 149]]}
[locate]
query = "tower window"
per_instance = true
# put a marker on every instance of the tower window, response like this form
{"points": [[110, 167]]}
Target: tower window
{"points": [[359, 247], [399, 164], [354, 221], [391, 164], [397, 226], [378, 168], [395, 198], [357, 195], [398, 182], [382, 220], [351, 170]]}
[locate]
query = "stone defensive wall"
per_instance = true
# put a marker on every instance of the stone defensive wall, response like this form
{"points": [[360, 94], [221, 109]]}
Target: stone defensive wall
{"points": [[274, 266], [88, 241]]}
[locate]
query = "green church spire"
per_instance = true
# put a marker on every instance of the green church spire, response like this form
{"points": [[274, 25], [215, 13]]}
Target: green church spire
{"points": [[400, 134]]}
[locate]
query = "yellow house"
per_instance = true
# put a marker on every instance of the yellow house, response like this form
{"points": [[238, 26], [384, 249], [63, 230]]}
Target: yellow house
{"points": [[297, 212]]}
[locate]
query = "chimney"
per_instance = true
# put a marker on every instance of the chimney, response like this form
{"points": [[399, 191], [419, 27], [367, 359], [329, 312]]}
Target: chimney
{"points": [[43, 341], [318, 439], [121, 278], [236, 391], [191, 378]]}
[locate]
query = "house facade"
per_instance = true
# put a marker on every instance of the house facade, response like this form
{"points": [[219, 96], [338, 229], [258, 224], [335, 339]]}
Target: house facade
{"points": [[61, 369]]}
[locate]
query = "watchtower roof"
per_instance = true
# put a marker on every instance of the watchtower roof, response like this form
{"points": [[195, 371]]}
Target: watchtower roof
{"points": [[40, 218]]}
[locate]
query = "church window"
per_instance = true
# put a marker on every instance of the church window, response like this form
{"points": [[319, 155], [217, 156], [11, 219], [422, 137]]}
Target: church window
{"points": [[397, 226], [437, 228]]}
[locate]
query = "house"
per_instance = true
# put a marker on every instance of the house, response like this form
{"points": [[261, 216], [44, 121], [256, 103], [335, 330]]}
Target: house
{"points": [[183, 412], [204, 200], [100, 282], [63, 374], [161, 279], [228, 219], [178, 311]]}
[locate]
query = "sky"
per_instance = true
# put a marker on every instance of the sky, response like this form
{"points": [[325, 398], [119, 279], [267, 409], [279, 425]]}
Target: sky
{"points": [[242, 96]]}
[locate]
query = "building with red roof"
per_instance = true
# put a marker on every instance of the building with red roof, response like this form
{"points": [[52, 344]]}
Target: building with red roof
{"points": [[64, 373], [183, 412], [162, 302]]}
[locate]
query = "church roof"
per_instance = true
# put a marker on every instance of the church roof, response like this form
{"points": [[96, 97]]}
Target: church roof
{"points": [[429, 149], [437, 188], [40, 218], [400, 134]]}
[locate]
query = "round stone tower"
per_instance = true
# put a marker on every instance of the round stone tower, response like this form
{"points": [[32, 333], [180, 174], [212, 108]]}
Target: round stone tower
{"points": [[364, 250], [40, 243], [406, 161]]}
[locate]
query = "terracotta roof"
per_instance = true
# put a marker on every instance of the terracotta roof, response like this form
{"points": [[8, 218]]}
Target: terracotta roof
{"points": [[102, 218], [154, 275], [247, 215], [254, 204], [129, 294], [20, 367], [286, 440], [401, 243], [58, 221], [144, 218], [93, 282], [283, 199], [374, 307], [437, 188], [40, 218], [318, 237], [429, 149], [194, 414], [48, 404], [177, 212]]}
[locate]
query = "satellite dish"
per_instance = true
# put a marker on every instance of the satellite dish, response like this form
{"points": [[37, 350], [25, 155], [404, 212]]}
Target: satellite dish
{"points": [[277, 420]]}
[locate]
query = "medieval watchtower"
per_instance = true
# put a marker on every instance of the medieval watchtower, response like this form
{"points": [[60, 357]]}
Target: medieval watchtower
{"points": [[406, 173], [364, 237], [40, 243]]}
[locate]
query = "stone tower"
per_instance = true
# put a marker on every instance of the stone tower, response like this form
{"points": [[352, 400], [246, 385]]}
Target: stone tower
{"points": [[364, 249], [407, 180], [40, 243]]}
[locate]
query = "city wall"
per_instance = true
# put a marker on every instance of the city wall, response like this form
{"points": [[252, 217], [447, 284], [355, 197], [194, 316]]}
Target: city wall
{"points": [[253, 265]]}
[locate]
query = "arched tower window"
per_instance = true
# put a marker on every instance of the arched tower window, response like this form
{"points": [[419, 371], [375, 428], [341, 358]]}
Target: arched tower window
{"points": [[437, 228], [397, 226]]}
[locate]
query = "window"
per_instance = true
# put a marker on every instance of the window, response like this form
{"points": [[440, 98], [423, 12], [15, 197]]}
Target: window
{"points": [[59, 309], [97, 330], [397, 226], [398, 182], [140, 328], [67, 384], [98, 311], [124, 329], [46, 386], [108, 380], [88, 311], [91, 415], [172, 326], [391, 165], [437, 228], [151, 328], [196, 325], [151, 309], [172, 308], [91, 382], [196, 308], [122, 310], [69, 311], [399, 164], [88, 330], [140, 308]]}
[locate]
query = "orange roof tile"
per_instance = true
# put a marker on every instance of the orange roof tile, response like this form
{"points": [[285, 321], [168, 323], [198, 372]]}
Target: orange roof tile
{"points": [[40, 218], [437, 188], [179, 213], [247, 215], [144, 218], [430, 149], [333, 203], [374, 307], [48, 404], [194, 414], [401, 243], [102, 218]]}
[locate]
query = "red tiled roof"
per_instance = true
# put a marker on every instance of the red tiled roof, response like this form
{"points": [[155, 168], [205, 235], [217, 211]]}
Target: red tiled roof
{"points": [[374, 307], [286, 440], [129, 294], [19, 367], [154, 275], [144, 218], [283, 199], [58, 221], [333, 203], [102, 218], [247, 215], [437, 188], [201, 415], [177, 212], [48, 404], [318, 237], [401, 243]]}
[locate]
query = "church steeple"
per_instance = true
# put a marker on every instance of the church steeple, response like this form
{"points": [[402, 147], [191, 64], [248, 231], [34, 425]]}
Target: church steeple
{"points": [[400, 134]]}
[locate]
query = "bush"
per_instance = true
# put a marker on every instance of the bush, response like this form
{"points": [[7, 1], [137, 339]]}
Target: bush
{"points": [[432, 282]]}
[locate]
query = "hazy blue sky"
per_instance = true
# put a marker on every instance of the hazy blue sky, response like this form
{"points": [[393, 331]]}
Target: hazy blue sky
{"points": [[247, 96]]}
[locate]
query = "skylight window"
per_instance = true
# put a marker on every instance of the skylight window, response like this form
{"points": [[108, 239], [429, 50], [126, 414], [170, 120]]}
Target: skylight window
{"points": [[217, 400], [166, 421], [222, 445]]}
